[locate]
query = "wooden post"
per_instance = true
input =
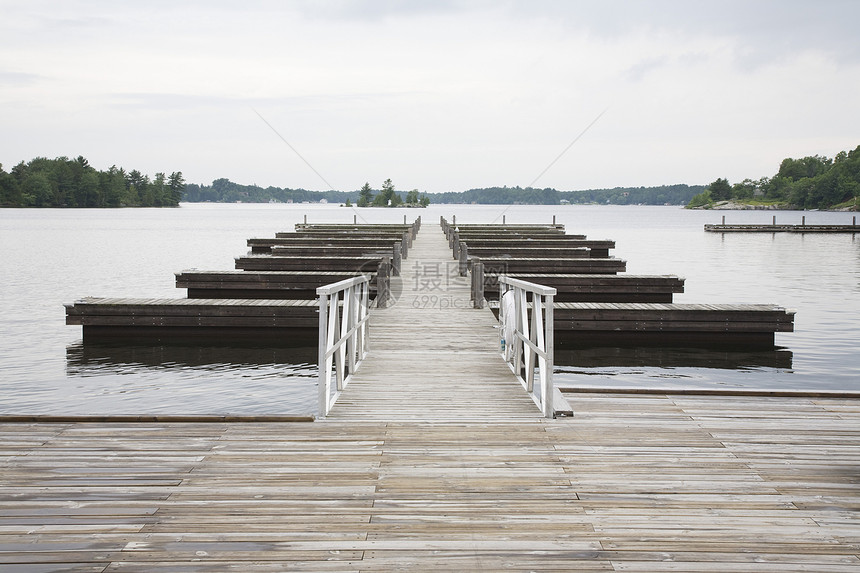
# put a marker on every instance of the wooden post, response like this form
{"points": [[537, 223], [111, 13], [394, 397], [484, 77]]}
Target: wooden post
{"points": [[396, 261], [503, 219], [456, 246], [553, 220], [404, 219], [464, 259], [774, 219], [404, 245], [306, 219], [724, 219], [803, 221], [355, 219], [383, 283], [453, 220], [478, 283]]}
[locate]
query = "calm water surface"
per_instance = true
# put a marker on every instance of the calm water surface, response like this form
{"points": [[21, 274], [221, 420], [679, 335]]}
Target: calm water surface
{"points": [[52, 257]]}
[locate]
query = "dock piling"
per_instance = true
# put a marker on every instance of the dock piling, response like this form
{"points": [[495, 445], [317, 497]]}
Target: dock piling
{"points": [[396, 261]]}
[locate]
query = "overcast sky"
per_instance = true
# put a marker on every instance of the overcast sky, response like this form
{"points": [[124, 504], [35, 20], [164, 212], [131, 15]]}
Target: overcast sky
{"points": [[439, 96]]}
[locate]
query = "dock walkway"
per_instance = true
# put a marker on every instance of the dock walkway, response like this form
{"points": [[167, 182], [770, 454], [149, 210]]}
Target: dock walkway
{"points": [[433, 356], [453, 472]]}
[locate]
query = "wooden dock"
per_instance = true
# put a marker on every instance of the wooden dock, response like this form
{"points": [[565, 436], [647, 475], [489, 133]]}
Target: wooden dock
{"points": [[748, 326], [435, 459], [632, 483], [782, 228], [598, 287]]}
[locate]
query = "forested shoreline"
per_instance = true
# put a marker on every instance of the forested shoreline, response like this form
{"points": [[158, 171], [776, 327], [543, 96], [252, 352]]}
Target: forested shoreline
{"points": [[813, 182], [64, 182], [226, 191]]}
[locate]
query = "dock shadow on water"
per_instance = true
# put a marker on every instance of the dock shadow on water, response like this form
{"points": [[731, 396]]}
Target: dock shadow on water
{"points": [[191, 379], [661, 367]]}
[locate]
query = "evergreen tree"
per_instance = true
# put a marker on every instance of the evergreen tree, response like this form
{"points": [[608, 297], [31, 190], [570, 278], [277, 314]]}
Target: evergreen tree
{"points": [[365, 196]]}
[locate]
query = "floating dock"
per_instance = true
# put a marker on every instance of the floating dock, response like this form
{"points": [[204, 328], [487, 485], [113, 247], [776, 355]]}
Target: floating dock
{"points": [[783, 228]]}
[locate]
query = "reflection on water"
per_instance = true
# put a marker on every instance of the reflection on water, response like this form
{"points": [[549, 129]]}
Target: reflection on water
{"points": [[98, 359], [142, 379]]}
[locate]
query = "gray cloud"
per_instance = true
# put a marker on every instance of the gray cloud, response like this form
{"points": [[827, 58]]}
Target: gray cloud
{"points": [[18, 78]]}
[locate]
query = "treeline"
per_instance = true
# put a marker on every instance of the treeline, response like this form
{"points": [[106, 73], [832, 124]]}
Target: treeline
{"points": [[64, 182], [813, 182], [226, 191], [662, 195]]}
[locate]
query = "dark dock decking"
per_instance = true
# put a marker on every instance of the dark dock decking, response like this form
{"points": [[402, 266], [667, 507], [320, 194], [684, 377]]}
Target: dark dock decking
{"points": [[747, 325], [260, 284], [278, 322], [598, 287], [435, 459]]}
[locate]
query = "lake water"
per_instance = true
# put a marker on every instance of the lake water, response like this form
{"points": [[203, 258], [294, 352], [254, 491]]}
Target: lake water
{"points": [[52, 257]]}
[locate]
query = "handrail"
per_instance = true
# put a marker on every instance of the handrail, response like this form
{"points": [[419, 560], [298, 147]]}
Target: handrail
{"points": [[343, 338], [528, 335]]}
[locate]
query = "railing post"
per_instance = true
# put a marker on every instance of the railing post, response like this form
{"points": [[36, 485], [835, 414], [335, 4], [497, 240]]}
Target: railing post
{"points": [[549, 387], [324, 375], [464, 259]]}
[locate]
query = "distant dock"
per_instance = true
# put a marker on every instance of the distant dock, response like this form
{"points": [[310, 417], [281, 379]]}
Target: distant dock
{"points": [[773, 227]]}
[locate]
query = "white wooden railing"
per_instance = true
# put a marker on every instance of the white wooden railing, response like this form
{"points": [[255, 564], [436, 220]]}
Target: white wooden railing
{"points": [[526, 319], [343, 336]]}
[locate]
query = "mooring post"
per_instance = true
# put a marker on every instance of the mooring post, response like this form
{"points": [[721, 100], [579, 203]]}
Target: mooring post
{"points": [[724, 219], [803, 221], [553, 220], [453, 220], [774, 219], [478, 283], [404, 245], [306, 219], [396, 261], [456, 246], [383, 283], [464, 259], [503, 219]]}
